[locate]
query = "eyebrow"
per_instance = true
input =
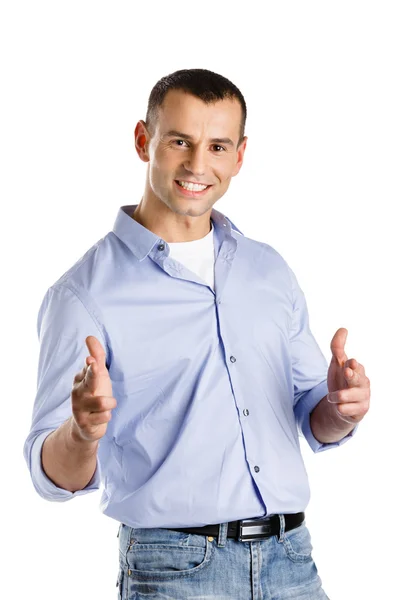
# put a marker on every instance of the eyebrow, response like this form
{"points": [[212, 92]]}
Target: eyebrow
{"points": [[185, 136]]}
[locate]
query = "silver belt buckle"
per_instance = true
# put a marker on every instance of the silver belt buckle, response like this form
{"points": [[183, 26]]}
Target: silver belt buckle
{"points": [[251, 531]]}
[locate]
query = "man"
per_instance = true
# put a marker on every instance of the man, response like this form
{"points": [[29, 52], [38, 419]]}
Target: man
{"points": [[199, 371]]}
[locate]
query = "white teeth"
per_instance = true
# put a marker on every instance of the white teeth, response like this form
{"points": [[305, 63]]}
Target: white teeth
{"points": [[194, 187]]}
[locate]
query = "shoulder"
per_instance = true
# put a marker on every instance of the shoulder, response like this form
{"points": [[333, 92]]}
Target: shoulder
{"points": [[261, 253], [82, 273]]}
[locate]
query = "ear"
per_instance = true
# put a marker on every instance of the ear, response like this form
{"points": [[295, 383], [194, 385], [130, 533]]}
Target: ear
{"points": [[142, 139], [240, 156]]}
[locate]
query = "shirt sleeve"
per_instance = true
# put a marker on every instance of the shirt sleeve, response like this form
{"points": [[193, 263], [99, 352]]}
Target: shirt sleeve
{"points": [[309, 370], [63, 325]]}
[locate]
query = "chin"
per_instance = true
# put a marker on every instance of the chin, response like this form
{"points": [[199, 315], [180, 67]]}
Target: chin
{"points": [[195, 208]]}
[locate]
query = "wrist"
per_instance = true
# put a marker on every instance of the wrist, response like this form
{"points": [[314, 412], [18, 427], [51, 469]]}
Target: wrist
{"points": [[75, 439], [327, 424]]}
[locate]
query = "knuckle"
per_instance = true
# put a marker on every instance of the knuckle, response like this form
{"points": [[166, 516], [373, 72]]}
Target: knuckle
{"points": [[75, 403], [107, 403], [100, 403], [77, 383], [80, 420], [80, 401], [76, 395], [340, 410]]}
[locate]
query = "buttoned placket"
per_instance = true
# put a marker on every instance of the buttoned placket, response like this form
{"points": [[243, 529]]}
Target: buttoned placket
{"points": [[222, 267]]}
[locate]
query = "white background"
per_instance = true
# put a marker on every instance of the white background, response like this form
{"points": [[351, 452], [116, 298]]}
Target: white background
{"points": [[320, 183]]}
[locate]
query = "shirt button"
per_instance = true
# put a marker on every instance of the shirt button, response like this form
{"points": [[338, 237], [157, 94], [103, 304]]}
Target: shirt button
{"points": [[232, 359], [256, 469], [246, 412], [160, 247]]}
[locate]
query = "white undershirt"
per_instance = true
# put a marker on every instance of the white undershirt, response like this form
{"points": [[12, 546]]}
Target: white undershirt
{"points": [[197, 256]]}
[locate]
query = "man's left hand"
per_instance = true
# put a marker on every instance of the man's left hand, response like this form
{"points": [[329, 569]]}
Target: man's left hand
{"points": [[349, 387]]}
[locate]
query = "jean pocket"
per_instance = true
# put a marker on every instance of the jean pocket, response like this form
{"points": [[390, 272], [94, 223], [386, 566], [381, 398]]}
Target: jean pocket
{"points": [[163, 554], [297, 544]]}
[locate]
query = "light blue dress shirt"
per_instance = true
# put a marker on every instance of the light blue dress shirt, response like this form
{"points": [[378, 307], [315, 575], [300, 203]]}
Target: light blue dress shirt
{"points": [[212, 387]]}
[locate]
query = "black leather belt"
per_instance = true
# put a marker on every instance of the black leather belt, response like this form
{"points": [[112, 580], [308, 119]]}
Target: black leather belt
{"points": [[249, 530]]}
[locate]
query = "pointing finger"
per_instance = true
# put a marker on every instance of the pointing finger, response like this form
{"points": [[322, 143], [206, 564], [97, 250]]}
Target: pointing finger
{"points": [[354, 365], [91, 372], [80, 375], [354, 373]]}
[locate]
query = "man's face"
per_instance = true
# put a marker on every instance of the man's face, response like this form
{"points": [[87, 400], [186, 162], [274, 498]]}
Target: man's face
{"points": [[194, 142]]}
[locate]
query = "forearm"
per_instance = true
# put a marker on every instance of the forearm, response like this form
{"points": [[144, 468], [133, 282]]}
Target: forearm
{"points": [[68, 461], [327, 426]]}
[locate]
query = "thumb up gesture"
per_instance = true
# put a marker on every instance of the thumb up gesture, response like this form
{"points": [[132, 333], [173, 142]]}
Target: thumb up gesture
{"points": [[92, 397], [348, 385]]}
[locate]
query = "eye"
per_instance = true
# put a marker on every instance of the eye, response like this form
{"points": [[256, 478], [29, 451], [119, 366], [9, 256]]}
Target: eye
{"points": [[178, 142], [218, 146]]}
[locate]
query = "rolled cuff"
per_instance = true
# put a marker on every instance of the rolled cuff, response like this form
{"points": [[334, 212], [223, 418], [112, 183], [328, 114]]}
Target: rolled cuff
{"points": [[303, 410], [44, 486]]}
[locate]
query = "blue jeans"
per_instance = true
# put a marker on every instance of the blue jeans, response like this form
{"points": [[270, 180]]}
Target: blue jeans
{"points": [[170, 565]]}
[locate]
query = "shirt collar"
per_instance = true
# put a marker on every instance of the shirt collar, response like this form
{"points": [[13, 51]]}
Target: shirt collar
{"points": [[141, 240]]}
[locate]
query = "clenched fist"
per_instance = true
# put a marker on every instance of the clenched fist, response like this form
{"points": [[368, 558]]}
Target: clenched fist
{"points": [[92, 396]]}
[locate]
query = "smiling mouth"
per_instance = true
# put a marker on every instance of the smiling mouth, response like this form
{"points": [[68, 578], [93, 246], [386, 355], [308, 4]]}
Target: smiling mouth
{"points": [[191, 188]]}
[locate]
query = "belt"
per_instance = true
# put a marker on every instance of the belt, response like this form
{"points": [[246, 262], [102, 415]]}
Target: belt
{"points": [[249, 530]]}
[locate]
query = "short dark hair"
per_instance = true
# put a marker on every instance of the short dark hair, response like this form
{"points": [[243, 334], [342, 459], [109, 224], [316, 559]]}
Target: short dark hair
{"points": [[206, 85]]}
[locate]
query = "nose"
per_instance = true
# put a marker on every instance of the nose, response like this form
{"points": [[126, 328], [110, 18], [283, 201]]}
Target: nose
{"points": [[195, 163]]}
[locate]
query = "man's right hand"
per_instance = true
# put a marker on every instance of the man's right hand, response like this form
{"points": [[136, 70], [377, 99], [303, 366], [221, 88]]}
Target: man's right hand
{"points": [[92, 397]]}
